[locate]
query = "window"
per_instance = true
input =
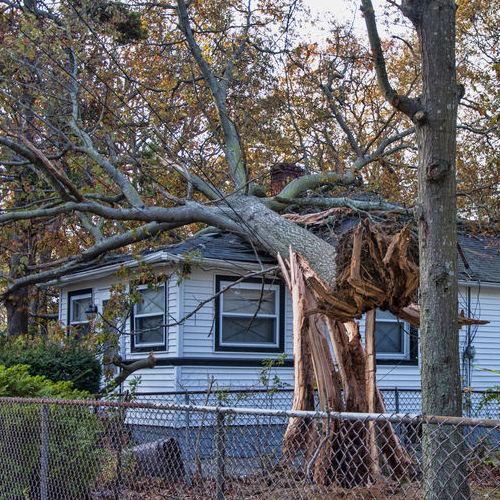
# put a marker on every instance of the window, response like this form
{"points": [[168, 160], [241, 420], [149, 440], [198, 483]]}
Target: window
{"points": [[249, 316], [148, 320], [395, 340], [78, 303]]}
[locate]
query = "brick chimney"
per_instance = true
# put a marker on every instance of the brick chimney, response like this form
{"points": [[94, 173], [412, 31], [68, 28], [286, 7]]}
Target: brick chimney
{"points": [[282, 174]]}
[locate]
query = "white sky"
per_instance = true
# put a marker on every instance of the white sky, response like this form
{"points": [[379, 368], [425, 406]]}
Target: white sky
{"points": [[348, 11]]}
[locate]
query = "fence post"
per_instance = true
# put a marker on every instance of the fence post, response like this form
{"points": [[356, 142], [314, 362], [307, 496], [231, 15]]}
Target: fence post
{"points": [[44, 452], [220, 454], [119, 452], [396, 399], [187, 446]]}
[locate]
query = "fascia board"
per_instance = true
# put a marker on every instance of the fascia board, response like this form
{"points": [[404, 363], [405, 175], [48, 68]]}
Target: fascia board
{"points": [[153, 259], [481, 284]]}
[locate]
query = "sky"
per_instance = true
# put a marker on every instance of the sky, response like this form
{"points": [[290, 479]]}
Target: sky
{"points": [[349, 11]]}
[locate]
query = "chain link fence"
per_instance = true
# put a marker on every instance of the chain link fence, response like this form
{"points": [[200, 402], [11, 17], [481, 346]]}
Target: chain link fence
{"points": [[136, 450], [480, 404]]}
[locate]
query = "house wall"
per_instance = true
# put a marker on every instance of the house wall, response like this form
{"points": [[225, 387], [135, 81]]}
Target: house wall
{"points": [[195, 339], [485, 305]]}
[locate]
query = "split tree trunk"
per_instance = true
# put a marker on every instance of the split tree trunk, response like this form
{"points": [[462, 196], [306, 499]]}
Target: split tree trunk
{"points": [[348, 451], [371, 387], [301, 434]]}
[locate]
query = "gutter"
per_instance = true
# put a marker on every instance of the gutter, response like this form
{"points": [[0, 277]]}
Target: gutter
{"points": [[152, 259], [482, 284]]}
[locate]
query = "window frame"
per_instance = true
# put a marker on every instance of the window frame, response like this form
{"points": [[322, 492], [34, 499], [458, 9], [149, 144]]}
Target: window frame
{"points": [[279, 345], [73, 295], [409, 339], [149, 346]]}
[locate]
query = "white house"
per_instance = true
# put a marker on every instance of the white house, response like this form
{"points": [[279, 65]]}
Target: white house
{"points": [[230, 336]]}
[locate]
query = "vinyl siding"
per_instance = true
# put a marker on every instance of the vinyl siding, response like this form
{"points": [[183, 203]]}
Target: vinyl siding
{"points": [[199, 329], [485, 304], [194, 378], [195, 338]]}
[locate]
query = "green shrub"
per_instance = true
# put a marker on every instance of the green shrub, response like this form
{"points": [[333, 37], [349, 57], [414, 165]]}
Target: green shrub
{"points": [[55, 361], [70, 435]]}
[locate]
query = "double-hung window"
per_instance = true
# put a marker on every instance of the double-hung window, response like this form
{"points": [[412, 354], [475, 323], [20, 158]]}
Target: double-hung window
{"points": [[393, 337], [249, 316], [148, 319], [78, 303]]}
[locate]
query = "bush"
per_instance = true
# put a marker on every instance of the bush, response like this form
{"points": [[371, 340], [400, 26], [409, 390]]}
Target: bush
{"points": [[55, 361], [70, 435]]}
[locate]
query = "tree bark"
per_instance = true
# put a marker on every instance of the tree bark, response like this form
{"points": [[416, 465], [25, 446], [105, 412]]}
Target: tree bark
{"points": [[17, 303], [444, 469], [371, 386], [301, 434]]}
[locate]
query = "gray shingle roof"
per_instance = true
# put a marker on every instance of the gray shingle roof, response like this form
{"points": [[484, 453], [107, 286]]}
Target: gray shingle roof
{"points": [[482, 255]]}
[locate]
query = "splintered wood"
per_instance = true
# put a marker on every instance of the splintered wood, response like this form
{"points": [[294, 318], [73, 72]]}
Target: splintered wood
{"points": [[345, 452], [376, 268]]}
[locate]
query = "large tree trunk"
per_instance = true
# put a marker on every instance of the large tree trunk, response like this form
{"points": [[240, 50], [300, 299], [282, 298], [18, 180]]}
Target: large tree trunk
{"points": [[444, 470], [17, 304]]}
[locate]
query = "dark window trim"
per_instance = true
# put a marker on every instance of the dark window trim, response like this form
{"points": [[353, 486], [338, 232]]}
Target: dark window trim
{"points": [[413, 359], [156, 348], [74, 293], [280, 316], [215, 361]]}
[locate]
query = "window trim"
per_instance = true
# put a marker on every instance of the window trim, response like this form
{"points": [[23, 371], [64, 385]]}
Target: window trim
{"points": [[279, 346], [410, 342], [146, 347], [82, 293]]}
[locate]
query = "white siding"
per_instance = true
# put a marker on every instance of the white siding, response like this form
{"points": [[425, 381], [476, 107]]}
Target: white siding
{"points": [[485, 304], [157, 379], [199, 329], [195, 338], [194, 378]]}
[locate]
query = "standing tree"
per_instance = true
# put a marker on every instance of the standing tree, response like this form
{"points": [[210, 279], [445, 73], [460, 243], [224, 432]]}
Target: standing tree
{"points": [[435, 116]]}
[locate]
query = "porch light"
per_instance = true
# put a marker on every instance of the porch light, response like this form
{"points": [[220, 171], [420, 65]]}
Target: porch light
{"points": [[91, 311]]}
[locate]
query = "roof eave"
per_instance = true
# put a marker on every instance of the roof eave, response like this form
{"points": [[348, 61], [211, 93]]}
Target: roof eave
{"points": [[153, 259]]}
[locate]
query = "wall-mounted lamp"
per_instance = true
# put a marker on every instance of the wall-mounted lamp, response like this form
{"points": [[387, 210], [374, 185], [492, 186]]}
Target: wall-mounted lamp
{"points": [[91, 311]]}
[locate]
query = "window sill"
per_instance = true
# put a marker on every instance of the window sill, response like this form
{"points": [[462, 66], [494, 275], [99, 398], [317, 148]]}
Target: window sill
{"points": [[397, 362]]}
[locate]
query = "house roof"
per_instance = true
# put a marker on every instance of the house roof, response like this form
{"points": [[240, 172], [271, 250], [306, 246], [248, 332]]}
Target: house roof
{"points": [[478, 260], [223, 246], [217, 246]]}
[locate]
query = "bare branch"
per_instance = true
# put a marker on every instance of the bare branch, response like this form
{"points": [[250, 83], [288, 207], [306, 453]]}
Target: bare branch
{"points": [[234, 150], [409, 107]]}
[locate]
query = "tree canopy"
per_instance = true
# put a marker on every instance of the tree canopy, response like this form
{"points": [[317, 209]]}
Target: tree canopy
{"points": [[142, 122]]}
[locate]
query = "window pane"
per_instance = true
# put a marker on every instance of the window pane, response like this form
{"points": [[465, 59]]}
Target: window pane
{"points": [[248, 330], [385, 315], [388, 337], [153, 301], [78, 308], [247, 301], [149, 330]]}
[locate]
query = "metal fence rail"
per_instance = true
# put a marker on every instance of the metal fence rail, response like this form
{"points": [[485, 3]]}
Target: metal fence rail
{"points": [[397, 400], [136, 450]]}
